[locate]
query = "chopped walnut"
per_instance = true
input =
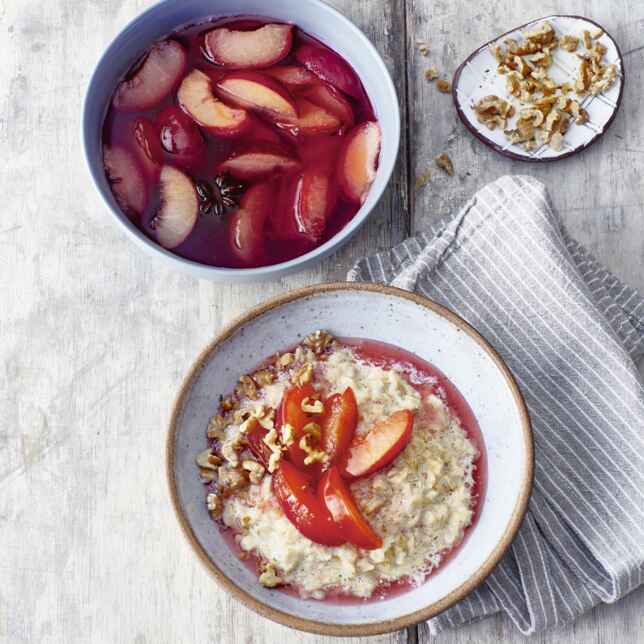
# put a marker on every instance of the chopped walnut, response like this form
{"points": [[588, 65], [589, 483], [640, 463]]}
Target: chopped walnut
{"points": [[313, 429], [312, 455], [288, 434], [206, 475], [423, 48], [207, 460], [431, 73], [588, 41], [582, 84], [444, 162], [216, 427], [423, 179], [303, 375], [231, 479], [246, 388], [285, 360], [318, 341], [270, 440], [443, 86], [255, 471], [493, 111], [269, 578], [547, 113], [264, 377], [228, 404], [596, 33], [230, 449], [569, 43], [311, 406], [215, 505]]}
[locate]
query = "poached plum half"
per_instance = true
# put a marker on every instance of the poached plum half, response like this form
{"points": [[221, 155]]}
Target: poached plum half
{"points": [[240, 143]]}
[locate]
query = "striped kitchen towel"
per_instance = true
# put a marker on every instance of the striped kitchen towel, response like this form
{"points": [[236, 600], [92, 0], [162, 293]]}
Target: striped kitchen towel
{"points": [[571, 333]]}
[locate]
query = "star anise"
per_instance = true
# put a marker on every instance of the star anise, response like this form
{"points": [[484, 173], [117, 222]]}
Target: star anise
{"points": [[219, 195]]}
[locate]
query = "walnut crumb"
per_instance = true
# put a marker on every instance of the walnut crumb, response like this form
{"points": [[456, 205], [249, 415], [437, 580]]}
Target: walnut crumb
{"points": [[312, 406], [246, 388], [216, 427], [444, 162], [215, 505], [569, 43], [318, 341], [255, 471], [431, 73], [423, 179], [303, 375], [423, 48], [231, 479], [285, 360], [443, 86], [269, 578], [228, 404], [264, 377]]}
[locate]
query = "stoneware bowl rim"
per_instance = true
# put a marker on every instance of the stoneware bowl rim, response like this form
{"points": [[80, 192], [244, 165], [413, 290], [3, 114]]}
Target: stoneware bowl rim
{"points": [[387, 625], [389, 99]]}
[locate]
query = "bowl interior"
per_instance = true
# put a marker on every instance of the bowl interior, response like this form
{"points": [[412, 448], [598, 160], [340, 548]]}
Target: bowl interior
{"points": [[380, 314], [314, 17]]}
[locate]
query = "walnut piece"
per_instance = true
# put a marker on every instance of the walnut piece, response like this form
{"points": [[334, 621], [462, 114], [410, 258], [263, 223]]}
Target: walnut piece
{"points": [[231, 479], [269, 578], [216, 427], [492, 111], [443, 86], [431, 73], [312, 406], [303, 375], [264, 377], [255, 471], [215, 505], [318, 341], [569, 43], [444, 162]]}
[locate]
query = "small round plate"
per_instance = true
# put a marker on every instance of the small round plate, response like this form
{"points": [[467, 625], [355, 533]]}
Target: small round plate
{"points": [[477, 77]]}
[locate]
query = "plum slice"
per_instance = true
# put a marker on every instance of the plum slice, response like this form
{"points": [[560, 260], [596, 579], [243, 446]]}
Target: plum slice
{"points": [[179, 136], [328, 66], [246, 228], [359, 161], [259, 92], [259, 159], [314, 119], [196, 98], [177, 214], [126, 179], [305, 204], [153, 79], [148, 146], [255, 49], [293, 76], [331, 100]]}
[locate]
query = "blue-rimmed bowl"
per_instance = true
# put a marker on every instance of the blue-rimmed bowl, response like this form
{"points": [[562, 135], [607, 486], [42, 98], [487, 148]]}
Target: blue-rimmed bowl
{"points": [[314, 17]]}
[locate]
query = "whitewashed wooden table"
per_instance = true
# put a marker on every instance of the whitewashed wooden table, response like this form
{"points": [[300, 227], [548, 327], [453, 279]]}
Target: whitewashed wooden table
{"points": [[95, 337]]}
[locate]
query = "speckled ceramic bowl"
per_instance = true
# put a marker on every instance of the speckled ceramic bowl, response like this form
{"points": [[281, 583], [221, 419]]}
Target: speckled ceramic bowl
{"points": [[313, 16], [389, 315]]}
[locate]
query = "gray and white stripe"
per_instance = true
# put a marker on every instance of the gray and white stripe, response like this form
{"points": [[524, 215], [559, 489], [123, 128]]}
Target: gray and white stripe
{"points": [[570, 331]]}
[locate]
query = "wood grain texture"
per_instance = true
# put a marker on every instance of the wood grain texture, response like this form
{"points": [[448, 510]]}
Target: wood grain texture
{"points": [[95, 337]]}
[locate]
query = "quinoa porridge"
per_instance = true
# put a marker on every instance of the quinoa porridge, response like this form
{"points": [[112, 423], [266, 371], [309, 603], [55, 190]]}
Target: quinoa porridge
{"points": [[343, 468]]}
